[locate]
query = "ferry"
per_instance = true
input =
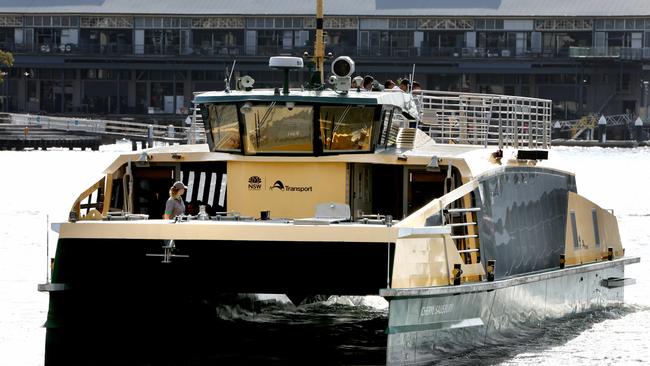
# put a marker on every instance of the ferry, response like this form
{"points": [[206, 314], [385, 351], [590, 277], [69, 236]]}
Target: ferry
{"points": [[444, 203]]}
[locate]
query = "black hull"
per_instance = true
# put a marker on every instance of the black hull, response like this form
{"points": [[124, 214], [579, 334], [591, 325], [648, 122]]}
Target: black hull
{"points": [[120, 306]]}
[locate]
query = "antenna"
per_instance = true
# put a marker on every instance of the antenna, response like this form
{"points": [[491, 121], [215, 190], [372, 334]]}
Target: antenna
{"points": [[234, 62], [319, 47], [412, 80], [229, 75]]}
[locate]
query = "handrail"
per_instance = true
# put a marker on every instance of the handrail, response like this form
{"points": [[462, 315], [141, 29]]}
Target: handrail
{"points": [[485, 119], [419, 217], [87, 194]]}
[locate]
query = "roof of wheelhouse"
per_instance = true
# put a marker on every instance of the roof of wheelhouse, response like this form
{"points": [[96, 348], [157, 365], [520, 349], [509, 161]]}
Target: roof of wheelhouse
{"points": [[396, 98]]}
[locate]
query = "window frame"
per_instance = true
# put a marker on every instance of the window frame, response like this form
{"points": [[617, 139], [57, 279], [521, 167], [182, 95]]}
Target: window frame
{"points": [[316, 142]]}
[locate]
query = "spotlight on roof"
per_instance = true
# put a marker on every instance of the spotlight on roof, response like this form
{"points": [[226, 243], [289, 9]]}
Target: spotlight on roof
{"points": [[342, 68]]}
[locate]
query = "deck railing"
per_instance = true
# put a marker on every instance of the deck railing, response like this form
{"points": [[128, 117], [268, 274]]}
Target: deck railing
{"points": [[485, 119]]}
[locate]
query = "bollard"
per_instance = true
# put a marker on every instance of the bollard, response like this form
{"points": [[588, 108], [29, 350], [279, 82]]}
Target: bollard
{"points": [[490, 269], [170, 131], [134, 145], [610, 253], [562, 260], [602, 129], [150, 136], [456, 274]]}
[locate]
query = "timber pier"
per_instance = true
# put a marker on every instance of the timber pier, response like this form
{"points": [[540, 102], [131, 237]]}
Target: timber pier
{"points": [[17, 137], [25, 131]]}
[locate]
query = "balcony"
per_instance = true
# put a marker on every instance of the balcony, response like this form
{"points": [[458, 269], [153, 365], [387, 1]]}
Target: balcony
{"points": [[444, 53], [623, 53], [457, 52], [67, 49]]}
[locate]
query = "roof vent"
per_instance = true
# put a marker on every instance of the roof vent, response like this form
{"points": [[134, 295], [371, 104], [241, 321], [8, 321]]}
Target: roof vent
{"points": [[406, 138]]}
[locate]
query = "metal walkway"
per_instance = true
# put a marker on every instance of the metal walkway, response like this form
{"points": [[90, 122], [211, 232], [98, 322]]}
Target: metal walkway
{"points": [[579, 126]]}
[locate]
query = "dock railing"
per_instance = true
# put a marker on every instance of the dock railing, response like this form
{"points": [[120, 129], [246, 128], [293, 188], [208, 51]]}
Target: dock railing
{"points": [[485, 119], [108, 128]]}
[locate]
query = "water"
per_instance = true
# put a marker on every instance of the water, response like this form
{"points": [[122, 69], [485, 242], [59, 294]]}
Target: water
{"points": [[37, 184]]}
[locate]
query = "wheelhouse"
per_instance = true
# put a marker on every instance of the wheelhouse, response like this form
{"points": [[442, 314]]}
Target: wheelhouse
{"points": [[303, 123]]}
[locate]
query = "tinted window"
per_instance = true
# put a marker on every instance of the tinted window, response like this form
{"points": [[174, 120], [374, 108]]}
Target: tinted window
{"points": [[224, 127], [346, 128], [276, 128]]}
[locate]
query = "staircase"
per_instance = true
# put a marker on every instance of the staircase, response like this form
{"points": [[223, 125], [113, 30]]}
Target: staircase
{"points": [[463, 220]]}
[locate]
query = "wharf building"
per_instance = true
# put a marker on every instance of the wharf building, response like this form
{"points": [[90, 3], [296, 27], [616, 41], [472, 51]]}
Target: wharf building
{"points": [[139, 58]]}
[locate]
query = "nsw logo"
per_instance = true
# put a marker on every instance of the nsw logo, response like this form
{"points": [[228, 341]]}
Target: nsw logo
{"points": [[254, 183]]}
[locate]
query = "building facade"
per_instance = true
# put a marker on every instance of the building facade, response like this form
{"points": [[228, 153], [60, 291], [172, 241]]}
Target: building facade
{"points": [[121, 58]]}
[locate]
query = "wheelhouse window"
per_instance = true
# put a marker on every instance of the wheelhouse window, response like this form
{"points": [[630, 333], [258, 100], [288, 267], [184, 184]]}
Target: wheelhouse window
{"points": [[276, 128], [224, 127], [346, 128]]}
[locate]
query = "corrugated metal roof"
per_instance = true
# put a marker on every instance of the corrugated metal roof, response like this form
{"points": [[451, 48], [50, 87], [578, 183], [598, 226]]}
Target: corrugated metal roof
{"points": [[502, 8]]}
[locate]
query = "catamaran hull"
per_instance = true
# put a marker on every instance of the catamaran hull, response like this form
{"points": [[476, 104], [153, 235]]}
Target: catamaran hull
{"points": [[427, 325], [114, 301]]}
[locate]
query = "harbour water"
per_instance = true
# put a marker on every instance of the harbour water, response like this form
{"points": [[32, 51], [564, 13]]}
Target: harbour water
{"points": [[40, 185]]}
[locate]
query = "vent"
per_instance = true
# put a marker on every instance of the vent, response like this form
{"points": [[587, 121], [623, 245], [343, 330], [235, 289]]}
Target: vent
{"points": [[406, 138]]}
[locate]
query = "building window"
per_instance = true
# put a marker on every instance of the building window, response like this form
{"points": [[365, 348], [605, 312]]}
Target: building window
{"points": [[161, 42], [623, 82], [622, 24], [52, 21], [278, 23], [333, 23], [341, 38], [560, 42], [218, 41], [564, 24], [163, 95], [445, 24], [270, 42], [374, 23], [489, 24], [162, 23], [109, 41], [402, 23], [11, 21], [218, 23], [106, 22]]}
